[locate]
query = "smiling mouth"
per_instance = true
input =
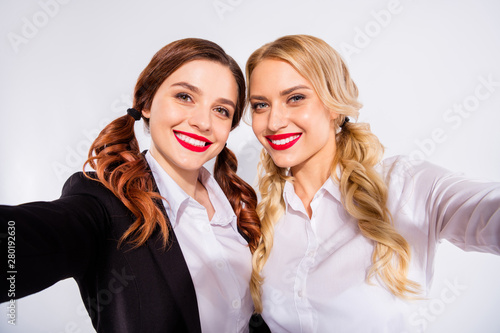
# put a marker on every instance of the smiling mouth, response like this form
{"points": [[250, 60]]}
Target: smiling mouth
{"points": [[192, 141], [283, 141]]}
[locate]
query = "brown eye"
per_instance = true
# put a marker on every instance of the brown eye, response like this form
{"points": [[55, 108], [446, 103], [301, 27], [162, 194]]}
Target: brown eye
{"points": [[184, 97], [222, 111]]}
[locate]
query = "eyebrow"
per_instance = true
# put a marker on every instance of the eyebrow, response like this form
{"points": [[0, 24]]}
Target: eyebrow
{"points": [[282, 93], [292, 89], [227, 102], [259, 98], [198, 91], [188, 86]]}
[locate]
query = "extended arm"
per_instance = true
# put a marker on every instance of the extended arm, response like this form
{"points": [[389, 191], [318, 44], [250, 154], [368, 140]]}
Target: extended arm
{"points": [[51, 241]]}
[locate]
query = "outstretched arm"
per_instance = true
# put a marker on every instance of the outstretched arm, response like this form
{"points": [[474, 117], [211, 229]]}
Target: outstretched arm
{"points": [[463, 211], [48, 242]]}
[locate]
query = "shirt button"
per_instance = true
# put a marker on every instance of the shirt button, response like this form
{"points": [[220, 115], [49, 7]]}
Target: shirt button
{"points": [[299, 293], [236, 304], [310, 254], [219, 264]]}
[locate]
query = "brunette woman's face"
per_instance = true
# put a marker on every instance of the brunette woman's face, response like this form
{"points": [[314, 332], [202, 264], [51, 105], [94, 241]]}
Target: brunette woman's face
{"points": [[288, 117], [191, 114]]}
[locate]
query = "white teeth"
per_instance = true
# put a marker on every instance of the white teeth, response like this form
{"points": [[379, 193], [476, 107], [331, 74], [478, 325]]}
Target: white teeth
{"points": [[284, 141], [191, 141]]}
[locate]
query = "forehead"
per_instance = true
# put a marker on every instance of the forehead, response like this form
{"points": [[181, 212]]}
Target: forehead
{"points": [[271, 74], [210, 77]]}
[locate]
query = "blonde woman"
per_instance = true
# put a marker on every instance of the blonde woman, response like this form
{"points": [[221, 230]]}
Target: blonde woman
{"points": [[347, 237]]}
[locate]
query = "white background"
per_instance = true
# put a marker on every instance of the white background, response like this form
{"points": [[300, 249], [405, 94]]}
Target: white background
{"points": [[69, 67]]}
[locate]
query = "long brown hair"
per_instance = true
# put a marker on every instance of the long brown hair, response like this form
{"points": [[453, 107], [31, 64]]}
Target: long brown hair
{"points": [[122, 168]]}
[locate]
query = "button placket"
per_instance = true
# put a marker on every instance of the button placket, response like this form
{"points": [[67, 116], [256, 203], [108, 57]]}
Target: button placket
{"points": [[220, 264], [303, 306], [224, 270], [236, 303]]}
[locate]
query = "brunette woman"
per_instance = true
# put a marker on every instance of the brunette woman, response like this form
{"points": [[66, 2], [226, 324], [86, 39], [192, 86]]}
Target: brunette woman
{"points": [[154, 241]]}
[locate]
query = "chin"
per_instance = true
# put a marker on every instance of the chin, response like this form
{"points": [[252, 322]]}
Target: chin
{"points": [[190, 163], [283, 163]]}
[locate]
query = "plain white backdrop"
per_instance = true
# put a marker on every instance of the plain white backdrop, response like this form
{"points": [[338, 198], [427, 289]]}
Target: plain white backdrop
{"points": [[428, 74]]}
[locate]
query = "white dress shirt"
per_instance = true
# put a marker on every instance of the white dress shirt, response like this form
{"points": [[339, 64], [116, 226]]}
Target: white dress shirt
{"points": [[315, 275], [217, 256]]}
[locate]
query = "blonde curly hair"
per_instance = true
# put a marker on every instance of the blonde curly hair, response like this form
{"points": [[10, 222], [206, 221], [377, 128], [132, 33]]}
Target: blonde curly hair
{"points": [[364, 192]]}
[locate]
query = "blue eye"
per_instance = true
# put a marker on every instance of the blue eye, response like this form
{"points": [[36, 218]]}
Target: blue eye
{"points": [[184, 97], [296, 98], [258, 106]]}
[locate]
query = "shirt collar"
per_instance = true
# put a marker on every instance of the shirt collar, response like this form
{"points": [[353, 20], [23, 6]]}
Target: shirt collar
{"points": [[224, 214], [293, 201], [175, 197], [332, 187]]}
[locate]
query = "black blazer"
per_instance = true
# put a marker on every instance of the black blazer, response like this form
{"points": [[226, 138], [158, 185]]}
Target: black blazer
{"points": [[147, 289]]}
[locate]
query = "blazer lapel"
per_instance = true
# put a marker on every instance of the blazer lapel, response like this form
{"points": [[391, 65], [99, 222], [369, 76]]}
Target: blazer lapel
{"points": [[175, 271]]}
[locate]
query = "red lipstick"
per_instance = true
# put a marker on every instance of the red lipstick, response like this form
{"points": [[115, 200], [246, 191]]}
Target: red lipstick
{"points": [[279, 137], [182, 136]]}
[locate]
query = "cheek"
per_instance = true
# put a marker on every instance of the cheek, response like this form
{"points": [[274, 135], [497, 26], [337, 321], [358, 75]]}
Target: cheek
{"points": [[308, 124], [258, 130], [222, 131], [314, 119], [166, 111], [258, 124]]}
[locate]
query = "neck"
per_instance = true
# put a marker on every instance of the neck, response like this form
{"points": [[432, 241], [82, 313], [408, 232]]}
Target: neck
{"points": [[307, 181], [186, 179], [188, 182], [310, 175]]}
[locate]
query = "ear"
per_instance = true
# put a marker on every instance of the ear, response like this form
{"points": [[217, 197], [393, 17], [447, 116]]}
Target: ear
{"points": [[333, 115], [146, 113]]}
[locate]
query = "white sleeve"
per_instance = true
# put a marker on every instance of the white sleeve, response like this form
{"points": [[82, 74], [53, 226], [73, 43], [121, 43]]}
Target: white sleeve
{"points": [[463, 211]]}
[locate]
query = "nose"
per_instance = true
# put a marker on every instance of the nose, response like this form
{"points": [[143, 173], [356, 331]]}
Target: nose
{"points": [[201, 119], [278, 119]]}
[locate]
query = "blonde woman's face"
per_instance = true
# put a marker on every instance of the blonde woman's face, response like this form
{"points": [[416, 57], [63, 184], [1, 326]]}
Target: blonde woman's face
{"points": [[288, 117]]}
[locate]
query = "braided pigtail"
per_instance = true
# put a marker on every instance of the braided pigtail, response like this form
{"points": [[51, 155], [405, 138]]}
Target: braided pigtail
{"points": [[270, 209], [120, 166], [241, 196], [364, 196]]}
